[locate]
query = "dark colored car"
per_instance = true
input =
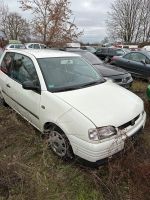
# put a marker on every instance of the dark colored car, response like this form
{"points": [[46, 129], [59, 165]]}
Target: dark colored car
{"points": [[106, 53], [117, 75], [89, 48], [136, 62]]}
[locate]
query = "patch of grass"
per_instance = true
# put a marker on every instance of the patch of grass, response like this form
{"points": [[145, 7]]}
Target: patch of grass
{"points": [[139, 86]]}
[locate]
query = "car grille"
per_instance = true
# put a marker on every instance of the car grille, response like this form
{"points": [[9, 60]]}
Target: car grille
{"points": [[130, 123]]}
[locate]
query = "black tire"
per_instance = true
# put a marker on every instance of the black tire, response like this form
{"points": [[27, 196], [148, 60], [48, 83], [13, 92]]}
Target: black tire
{"points": [[59, 144], [2, 102]]}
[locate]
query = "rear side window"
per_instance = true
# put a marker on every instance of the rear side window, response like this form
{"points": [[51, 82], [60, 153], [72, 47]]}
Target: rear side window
{"points": [[7, 63], [36, 46], [138, 57], [127, 56]]}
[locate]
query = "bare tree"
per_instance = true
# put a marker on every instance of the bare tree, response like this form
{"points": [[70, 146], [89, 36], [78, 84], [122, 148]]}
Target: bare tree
{"points": [[51, 20], [16, 27], [12, 25], [3, 17], [129, 20]]}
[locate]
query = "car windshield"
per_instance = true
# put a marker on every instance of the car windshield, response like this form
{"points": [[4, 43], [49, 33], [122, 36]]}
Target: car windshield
{"points": [[91, 58], [68, 73]]}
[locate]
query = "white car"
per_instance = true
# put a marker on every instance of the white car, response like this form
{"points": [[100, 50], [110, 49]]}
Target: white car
{"points": [[15, 46], [35, 46], [63, 96]]}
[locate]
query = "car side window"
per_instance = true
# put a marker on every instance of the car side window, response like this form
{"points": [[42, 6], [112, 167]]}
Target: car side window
{"points": [[7, 63], [23, 70], [128, 56], [138, 57], [36, 46], [30, 46]]}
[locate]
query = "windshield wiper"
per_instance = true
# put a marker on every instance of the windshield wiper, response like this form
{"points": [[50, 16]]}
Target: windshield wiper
{"points": [[64, 89], [93, 83]]}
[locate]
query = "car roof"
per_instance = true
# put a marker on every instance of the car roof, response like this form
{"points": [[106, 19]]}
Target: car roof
{"points": [[146, 53], [14, 44], [44, 53]]}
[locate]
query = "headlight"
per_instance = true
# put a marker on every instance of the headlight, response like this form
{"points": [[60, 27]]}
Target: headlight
{"points": [[109, 79], [102, 133]]}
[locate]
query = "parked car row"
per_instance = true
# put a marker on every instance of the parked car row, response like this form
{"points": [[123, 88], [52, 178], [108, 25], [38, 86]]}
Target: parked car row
{"points": [[116, 74], [64, 97], [26, 46]]}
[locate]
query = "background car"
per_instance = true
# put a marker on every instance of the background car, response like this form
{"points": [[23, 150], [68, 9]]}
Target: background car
{"points": [[136, 62], [15, 46], [116, 74], [89, 48], [106, 53], [148, 92], [35, 46]]}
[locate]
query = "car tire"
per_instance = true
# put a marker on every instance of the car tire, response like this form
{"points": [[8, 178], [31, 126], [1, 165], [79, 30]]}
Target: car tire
{"points": [[2, 102], [59, 144]]}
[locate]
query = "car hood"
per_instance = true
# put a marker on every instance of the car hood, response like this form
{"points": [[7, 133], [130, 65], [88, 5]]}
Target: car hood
{"points": [[109, 70], [104, 104]]}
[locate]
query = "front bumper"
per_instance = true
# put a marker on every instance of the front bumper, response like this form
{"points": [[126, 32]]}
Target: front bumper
{"points": [[95, 152]]}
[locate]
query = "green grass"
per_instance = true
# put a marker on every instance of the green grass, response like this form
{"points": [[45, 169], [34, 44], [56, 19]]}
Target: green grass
{"points": [[29, 171]]}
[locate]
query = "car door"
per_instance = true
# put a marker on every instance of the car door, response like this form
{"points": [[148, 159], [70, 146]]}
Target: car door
{"points": [[124, 62], [26, 102], [137, 64], [141, 65]]}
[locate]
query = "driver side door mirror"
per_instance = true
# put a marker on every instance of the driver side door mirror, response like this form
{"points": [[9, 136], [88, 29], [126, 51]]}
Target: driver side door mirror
{"points": [[30, 85]]}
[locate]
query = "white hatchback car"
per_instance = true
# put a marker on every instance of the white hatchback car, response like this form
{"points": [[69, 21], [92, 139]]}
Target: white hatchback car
{"points": [[63, 96]]}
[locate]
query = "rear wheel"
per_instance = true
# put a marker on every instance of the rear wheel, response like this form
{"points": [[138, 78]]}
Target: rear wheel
{"points": [[60, 145]]}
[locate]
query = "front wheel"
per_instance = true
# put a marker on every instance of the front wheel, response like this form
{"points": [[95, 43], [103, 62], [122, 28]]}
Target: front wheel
{"points": [[60, 145], [2, 102]]}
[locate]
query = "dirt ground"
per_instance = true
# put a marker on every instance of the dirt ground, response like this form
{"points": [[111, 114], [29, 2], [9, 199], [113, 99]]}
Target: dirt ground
{"points": [[29, 171]]}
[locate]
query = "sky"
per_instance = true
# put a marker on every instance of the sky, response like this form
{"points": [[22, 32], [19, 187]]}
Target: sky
{"points": [[89, 15]]}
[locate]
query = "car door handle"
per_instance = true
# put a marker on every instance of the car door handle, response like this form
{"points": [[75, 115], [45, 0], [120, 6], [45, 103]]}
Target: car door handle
{"points": [[8, 85]]}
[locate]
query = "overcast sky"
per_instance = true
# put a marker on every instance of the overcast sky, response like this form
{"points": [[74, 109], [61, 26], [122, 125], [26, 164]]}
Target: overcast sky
{"points": [[90, 16]]}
